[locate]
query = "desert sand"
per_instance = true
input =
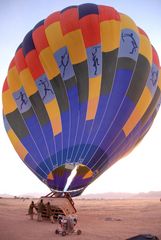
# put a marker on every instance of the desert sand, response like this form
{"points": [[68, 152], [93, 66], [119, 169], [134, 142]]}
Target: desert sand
{"points": [[98, 219]]}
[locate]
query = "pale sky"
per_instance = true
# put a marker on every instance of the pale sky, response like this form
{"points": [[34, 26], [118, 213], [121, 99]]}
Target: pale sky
{"points": [[138, 172]]}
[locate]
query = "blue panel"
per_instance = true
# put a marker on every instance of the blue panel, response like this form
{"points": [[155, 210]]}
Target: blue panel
{"points": [[122, 144], [65, 117], [116, 143], [64, 63], [153, 79], [94, 60], [28, 44], [20, 46], [39, 24], [96, 123], [37, 135], [6, 123], [129, 44], [105, 139], [158, 104], [22, 101], [121, 84], [45, 89], [74, 105], [78, 182], [29, 161], [81, 126], [86, 9], [86, 132], [51, 143], [67, 8], [118, 123], [32, 149], [95, 152]]}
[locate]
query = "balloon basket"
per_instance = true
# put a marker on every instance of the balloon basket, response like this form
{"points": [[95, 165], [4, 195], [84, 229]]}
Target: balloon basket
{"points": [[60, 205]]}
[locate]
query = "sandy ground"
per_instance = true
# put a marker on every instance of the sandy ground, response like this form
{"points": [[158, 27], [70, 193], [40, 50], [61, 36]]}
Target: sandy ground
{"points": [[98, 219]]}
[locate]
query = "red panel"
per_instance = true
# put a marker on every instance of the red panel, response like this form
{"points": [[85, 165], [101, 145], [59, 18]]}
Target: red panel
{"points": [[34, 64], [12, 63], [54, 17], [90, 29], [155, 57], [5, 86], [142, 32], [108, 13], [69, 20], [20, 60], [40, 39]]}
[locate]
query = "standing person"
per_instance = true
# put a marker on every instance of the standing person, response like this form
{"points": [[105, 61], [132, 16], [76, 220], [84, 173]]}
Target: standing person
{"points": [[40, 209], [31, 210], [49, 212]]}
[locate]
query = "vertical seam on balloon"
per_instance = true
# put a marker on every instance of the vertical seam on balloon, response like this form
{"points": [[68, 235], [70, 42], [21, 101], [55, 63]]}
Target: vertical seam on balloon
{"points": [[43, 135], [86, 121], [106, 109], [53, 89], [116, 114], [36, 117], [131, 133], [27, 128]]}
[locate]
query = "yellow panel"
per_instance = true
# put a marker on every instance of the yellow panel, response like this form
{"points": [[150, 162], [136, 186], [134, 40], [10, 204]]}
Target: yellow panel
{"points": [[54, 115], [74, 42], [92, 108], [110, 35], [49, 64], [127, 22], [9, 104], [20, 149], [145, 47], [159, 80], [28, 82], [94, 93], [13, 79], [138, 112], [54, 36], [94, 87], [50, 176], [88, 174]]}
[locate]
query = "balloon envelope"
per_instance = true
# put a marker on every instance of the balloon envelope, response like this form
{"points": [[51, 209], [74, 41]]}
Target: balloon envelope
{"points": [[82, 90]]}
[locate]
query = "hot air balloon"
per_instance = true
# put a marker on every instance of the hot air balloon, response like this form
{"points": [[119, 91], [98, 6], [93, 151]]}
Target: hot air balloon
{"points": [[82, 90]]}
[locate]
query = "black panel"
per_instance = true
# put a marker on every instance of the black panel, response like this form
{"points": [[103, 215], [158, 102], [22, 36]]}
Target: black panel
{"points": [[70, 83], [39, 108], [151, 107], [109, 61], [60, 92], [28, 114], [81, 73], [139, 79], [17, 124], [126, 63]]}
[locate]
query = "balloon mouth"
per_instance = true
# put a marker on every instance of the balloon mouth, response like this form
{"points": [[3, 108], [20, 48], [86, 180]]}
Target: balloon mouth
{"points": [[70, 177]]}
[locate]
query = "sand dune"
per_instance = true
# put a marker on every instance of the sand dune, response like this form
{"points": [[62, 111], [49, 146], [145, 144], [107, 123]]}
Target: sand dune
{"points": [[98, 219]]}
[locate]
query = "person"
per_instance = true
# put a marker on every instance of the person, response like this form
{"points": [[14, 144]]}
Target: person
{"points": [[49, 212], [40, 209], [31, 210]]}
